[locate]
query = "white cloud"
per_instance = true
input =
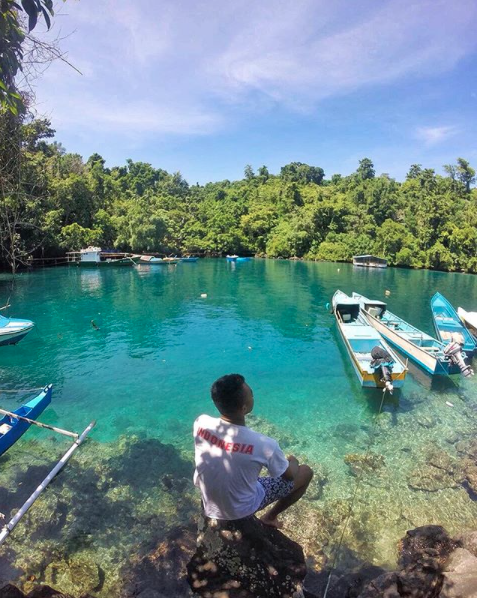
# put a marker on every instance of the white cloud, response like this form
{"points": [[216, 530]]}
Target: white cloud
{"points": [[435, 135], [185, 66]]}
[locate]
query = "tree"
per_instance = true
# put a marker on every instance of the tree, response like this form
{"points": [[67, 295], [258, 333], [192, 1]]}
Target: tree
{"points": [[12, 51], [366, 170], [414, 172], [465, 173], [248, 172], [298, 172]]}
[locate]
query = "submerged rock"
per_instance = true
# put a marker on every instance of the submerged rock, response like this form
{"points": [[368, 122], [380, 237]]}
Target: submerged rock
{"points": [[364, 464], [245, 559]]}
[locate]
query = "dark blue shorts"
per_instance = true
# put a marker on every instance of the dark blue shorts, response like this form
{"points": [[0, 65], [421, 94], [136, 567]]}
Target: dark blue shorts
{"points": [[275, 488]]}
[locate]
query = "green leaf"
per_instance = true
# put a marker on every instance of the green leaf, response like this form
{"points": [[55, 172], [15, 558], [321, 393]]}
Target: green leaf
{"points": [[47, 18], [32, 11]]}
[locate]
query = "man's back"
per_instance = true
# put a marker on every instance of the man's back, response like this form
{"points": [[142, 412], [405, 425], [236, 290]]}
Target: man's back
{"points": [[229, 459]]}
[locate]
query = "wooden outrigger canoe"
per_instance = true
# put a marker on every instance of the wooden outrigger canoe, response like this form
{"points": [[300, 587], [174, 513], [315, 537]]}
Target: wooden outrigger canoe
{"points": [[448, 325], [21, 421], [12, 428], [360, 340]]}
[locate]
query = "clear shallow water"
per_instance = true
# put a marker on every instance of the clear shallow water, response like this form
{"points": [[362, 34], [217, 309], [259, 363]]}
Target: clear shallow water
{"points": [[146, 374]]}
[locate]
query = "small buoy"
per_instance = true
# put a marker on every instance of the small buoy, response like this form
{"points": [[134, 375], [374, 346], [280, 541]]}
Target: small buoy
{"points": [[449, 404], [338, 269], [203, 295], [250, 348], [387, 293]]}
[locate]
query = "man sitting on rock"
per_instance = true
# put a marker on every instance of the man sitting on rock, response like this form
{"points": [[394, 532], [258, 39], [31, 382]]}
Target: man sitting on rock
{"points": [[229, 458]]}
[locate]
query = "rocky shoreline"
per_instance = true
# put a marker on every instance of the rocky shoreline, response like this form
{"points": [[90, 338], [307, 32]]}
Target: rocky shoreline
{"points": [[248, 560]]}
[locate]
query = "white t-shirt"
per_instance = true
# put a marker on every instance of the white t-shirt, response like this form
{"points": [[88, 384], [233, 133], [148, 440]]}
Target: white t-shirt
{"points": [[229, 459]]}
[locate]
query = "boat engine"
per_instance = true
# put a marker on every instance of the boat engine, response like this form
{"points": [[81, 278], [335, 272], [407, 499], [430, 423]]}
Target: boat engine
{"points": [[383, 361], [454, 351]]}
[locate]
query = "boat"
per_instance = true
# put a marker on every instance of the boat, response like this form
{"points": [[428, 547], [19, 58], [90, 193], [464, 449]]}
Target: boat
{"points": [[469, 319], [231, 258], [448, 325], [12, 330], [374, 362], [243, 259], [11, 429], [369, 261], [94, 257], [158, 261], [432, 355], [189, 258]]}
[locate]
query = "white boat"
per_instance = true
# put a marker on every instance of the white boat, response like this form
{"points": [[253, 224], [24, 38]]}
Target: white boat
{"points": [[469, 319], [12, 330], [159, 261], [369, 261], [363, 343]]}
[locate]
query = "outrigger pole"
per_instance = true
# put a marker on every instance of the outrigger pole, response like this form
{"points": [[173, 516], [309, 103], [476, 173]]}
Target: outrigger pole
{"points": [[39, 424], [8, 528]]}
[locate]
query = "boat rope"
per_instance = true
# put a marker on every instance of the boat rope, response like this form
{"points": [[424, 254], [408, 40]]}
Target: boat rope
{"points": [[357, 485]]}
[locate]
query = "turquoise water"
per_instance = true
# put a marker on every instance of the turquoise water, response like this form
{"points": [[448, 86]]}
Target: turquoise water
{"points": [[145, 375]]}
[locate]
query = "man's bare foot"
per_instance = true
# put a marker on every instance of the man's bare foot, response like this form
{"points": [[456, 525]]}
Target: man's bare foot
{"points": [[272, 522]]}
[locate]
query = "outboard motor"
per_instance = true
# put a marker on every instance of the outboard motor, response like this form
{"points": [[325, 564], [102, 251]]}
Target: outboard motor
{"points": [[383, 360], [454, 351]]}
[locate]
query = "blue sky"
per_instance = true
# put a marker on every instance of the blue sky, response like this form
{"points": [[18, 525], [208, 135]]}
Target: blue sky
{"points": [[207, 86]]}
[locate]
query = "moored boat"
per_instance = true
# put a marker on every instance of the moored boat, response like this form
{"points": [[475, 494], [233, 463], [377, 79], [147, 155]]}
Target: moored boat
{"points": [[374, 362], [12, 330], [11, 429], [448, 325], [231, 258], [369, 261], [434, 356], [243, 259], [189, 258], [158, 261], [94, 257], [469, 319]]}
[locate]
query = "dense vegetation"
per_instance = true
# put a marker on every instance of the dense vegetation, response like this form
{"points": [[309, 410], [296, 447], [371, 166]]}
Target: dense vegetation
{"points": [[53, 201]]}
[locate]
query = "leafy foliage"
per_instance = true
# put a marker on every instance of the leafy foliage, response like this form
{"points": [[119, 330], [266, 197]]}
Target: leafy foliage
{"points": [[64, 203], [12, 37]]}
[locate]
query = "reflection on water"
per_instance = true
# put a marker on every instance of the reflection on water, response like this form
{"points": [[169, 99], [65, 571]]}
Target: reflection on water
{"points": [[145, 376]]}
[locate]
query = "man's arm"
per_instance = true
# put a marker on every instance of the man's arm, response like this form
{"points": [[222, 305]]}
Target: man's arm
{"points": [[291, 472]]}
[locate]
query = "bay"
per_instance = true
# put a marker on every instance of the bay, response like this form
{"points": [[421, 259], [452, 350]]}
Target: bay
{"points": [[137, 349]]}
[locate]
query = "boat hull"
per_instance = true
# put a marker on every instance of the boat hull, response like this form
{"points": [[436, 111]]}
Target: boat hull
{"points": [[448, 325], [12, 330], [125, 262], [368, 379], [425, 360], [365, 337], [32, 410], [469, 319], [192, 260]]}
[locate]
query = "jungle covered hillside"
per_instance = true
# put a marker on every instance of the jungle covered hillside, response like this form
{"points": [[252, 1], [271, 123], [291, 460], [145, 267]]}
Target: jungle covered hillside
{"points": [[54, 201]]}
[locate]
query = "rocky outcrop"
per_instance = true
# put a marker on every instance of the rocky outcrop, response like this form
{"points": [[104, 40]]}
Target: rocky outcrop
{"points": [[245, 559], [11, 591], [431, 565]]}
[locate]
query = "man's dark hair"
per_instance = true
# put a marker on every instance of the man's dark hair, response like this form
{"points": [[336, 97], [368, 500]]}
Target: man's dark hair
{"points": [[228, 393]]}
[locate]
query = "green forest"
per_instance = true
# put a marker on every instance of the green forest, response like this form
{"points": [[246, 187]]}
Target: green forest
{"points": [[54, 201]]}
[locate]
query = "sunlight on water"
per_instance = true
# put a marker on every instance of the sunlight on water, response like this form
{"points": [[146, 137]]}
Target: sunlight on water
{"points": [[145, 376]]}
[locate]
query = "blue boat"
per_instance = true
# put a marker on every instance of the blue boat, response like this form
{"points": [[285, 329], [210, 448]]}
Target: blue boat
{"points": [[426, 351], [374, 362], [189, 259], [11, 429], [12, 330], [449, 327], [243, 259]]}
